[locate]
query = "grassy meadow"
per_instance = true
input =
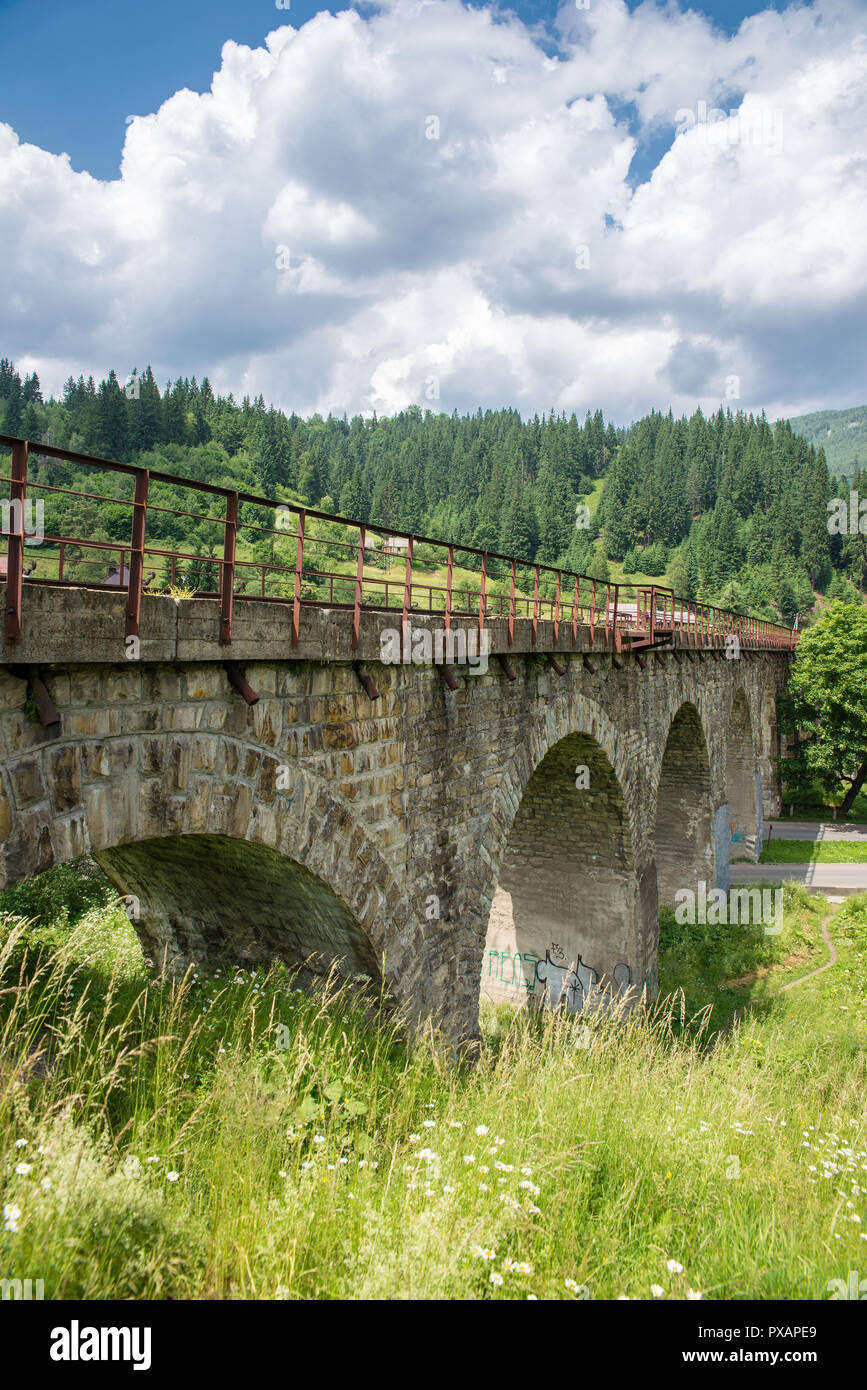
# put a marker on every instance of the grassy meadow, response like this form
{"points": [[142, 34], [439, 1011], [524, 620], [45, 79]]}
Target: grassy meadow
{"points": [[226, 1136]]}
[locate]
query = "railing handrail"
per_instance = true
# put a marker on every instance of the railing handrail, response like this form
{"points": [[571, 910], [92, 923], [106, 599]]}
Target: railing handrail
{"points": [[715, 623]]}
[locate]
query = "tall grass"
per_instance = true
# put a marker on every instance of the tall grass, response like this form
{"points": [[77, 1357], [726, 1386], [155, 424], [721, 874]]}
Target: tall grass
{"points": [[226, 1136]]}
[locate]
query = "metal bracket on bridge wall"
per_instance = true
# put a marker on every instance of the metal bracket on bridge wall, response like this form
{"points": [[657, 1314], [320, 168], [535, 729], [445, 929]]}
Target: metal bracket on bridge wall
{"points": [[367, 681], [641, 661], [658, 659], [238, 681], [615, 664], [49, 717], [448, 676], [552, 661], [588, 666], [678, 658], [504, 662]]}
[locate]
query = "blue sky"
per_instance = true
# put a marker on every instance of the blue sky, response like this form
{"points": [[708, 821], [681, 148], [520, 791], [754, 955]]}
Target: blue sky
{"points": [[626, 207], [72, 73]]}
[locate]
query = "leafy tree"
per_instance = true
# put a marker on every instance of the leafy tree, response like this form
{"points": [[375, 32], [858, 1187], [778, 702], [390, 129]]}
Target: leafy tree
{"points": [[828, 709]]}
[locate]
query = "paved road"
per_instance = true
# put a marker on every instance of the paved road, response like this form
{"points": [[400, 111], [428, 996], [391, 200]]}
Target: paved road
{"points": [[815, 830], [819, 878]]}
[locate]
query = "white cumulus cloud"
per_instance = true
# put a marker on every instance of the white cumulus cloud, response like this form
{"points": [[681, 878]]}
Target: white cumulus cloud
{"points": [[433, 204]]}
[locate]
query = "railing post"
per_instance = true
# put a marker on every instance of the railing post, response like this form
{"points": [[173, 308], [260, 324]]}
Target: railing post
{"points": [[618, 644], [482, 596], [512, 604], [557, 611], [227, 577], [60, 559], [449, 574], [535, 604], [15, 558], [593, 611], [407, 588], [136, 553], [575, 613], [299, 566], [359, 585]]}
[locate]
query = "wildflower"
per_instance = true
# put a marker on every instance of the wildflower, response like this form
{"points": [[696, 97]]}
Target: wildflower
{"points": [[673, 1267], [425, 1153], [483, 1187], [172, 1176], [623, 1298], [693, 1295], [482, 1252], [531, 1298], [469, 1158], [481, 1129], [496, 1279], [523, 1268], [154, 1158], [428, 1124], [308, 1163], [414, 1138], [282, 1173], [21, 1143], [657, 1290], [528, 1172], [483, 1168], [343, 1160], [572, 1286], [23, 1169], [535, 1211], [448, 1189], [319, 1138]]}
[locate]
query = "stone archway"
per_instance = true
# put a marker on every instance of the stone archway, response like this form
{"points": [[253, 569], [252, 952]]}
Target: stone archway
{"points": [[743, 793], [197, 898], [567, 913], [683, 837], [149, 809], [769, 752]]}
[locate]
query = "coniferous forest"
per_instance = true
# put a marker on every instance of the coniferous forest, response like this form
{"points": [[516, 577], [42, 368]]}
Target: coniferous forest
{"points": [[727, 509]]}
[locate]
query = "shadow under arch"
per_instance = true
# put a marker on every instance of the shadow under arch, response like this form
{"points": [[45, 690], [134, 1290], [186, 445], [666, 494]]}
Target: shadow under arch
{"points": [[566, 915], [742, 791], [214, 899], [683, 836]]}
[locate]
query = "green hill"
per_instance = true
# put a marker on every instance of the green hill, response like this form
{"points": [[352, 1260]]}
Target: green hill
{"points": [[841, 433]]}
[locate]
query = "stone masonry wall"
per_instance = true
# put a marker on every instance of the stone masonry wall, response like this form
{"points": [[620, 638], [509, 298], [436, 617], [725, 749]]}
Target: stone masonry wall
{"points": [[401, 808]]}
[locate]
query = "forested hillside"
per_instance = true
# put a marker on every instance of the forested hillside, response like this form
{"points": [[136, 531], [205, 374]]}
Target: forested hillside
{"points": [[841, 433], [729, 509]]}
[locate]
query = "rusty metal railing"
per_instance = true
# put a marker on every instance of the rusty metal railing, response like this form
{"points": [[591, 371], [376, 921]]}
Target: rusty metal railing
{"points": [[486, 585]]}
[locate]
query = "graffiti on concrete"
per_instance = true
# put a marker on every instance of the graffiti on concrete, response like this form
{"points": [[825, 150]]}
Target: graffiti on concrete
{"points": [[560, 985]]}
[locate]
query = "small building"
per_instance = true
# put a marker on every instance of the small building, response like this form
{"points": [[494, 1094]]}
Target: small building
{"points": [[395, 545]]}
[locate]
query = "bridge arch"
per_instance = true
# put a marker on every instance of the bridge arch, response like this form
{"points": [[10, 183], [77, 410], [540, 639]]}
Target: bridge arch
{"points": [[683, 834], [742, 777], [769, 751], [568, 913], [176, 821]]}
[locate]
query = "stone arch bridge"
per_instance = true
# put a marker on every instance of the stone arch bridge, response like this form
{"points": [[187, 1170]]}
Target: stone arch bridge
{"points": [[309, 800]]}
